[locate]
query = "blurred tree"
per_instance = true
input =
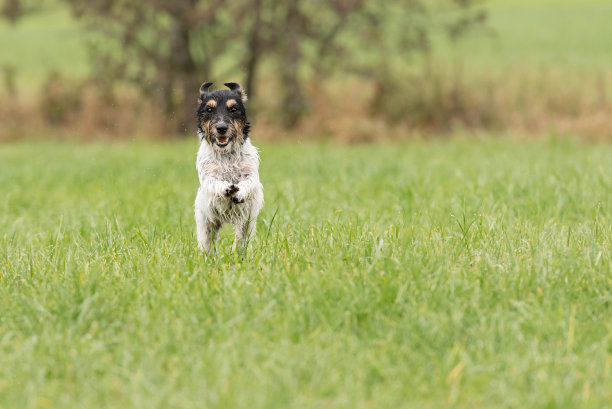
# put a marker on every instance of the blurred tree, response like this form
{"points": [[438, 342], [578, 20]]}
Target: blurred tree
{"points": [[377, 40], [168, 48], [298, 34], [165, 47], [12, 10], [390, 45]]}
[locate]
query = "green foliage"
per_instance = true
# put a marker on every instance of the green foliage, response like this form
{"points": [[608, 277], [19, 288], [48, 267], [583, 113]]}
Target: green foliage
{"points": [[419, 275]]}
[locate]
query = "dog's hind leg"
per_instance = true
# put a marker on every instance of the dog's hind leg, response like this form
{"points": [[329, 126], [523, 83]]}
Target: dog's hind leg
{"points": [[244, 233], [215, 227], [202, 232], [207, 233]]}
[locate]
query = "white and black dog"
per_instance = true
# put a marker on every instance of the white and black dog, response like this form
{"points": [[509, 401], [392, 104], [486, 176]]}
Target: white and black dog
{"points": [[228, 168]]}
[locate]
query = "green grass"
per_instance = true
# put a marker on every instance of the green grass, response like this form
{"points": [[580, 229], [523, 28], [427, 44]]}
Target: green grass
{"points": [[457, 274]]}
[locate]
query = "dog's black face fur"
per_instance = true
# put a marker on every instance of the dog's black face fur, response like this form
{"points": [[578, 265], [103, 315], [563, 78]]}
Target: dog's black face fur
{"points": [[222, 116]]}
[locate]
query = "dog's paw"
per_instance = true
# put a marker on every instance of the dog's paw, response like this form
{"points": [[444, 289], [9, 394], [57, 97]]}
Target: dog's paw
{"points": [[239, 197], [230, 191]]}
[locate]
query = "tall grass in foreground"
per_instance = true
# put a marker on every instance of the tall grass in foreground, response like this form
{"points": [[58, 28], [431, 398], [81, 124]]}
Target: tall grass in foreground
{"points": [[460, 274]]}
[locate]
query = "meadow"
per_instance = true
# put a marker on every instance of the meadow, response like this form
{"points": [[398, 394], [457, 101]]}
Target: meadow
{"points": [[424, 274], [457, 271]]}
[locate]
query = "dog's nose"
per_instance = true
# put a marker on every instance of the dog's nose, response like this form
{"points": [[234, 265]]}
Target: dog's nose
{"points": [[221, 128]]}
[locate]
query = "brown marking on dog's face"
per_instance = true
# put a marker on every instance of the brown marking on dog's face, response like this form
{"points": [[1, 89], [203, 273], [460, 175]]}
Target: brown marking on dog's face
{"points": [[238, 127], [222, 118], [205, 125]]}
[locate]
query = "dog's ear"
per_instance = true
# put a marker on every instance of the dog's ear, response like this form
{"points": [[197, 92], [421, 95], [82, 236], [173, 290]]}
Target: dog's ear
{"points": [[234, 86], [204, 90]]}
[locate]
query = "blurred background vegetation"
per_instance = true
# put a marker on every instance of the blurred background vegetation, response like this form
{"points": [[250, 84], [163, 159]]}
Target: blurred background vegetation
{"points": [[348, 70]]}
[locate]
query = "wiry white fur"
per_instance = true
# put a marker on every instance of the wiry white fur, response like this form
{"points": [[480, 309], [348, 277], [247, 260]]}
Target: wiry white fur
{"points": [[218, 169]]}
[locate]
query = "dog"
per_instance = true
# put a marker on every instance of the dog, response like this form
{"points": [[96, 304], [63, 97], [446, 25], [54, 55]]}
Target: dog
{"points": [[228, 168]]}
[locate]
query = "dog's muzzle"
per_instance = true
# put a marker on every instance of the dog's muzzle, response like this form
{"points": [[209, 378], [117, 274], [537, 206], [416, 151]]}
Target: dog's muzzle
{"points": [[221, 137]]}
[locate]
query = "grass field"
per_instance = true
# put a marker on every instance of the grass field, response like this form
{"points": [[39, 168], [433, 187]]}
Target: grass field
{"points": [[450, 274]]}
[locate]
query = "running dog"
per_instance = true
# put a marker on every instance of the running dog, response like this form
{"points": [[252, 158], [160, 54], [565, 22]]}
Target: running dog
{"points": [[228, 168]]}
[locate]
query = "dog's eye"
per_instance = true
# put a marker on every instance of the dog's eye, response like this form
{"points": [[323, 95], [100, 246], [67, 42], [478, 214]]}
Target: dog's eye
{"points": [[209, 109], [233, 109]]}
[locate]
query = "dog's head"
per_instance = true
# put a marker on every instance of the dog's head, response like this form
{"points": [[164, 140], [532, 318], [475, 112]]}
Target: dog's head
{"points": [[222, 119]]}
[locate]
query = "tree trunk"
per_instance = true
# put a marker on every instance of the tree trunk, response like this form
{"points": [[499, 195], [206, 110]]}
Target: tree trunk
{"points": [[294, 104], [185, 71], [12, 10], [254, 53]]}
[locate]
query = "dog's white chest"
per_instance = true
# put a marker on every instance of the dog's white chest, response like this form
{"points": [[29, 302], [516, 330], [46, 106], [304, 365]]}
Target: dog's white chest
{"points": [[219, 171]]}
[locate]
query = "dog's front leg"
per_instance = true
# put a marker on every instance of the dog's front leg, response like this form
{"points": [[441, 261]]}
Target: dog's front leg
{"points": [[206, 229], [219, 188], [245, 187]]}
